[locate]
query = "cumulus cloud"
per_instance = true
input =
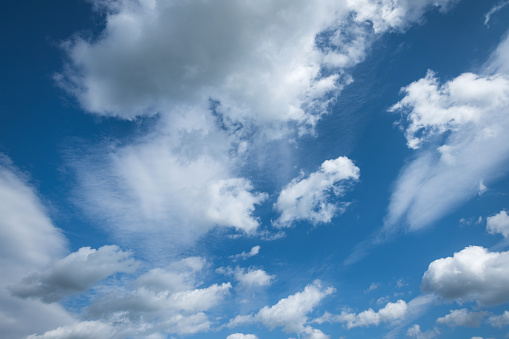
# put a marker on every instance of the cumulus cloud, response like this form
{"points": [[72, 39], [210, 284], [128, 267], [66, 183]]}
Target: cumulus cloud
{"points": [[499, 320], [253, 277], [248, 278], [155, 54], [241, 336], [462, 317], [498, 223], [75, 273], [459, 127], [162, 301], [289, 313], [308, 198], [391, 313], [244, 255], [471, 274], [166, 300], [415, 332]]}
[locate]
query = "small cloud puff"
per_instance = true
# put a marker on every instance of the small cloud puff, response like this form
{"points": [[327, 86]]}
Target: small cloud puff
{"points": [[498, 223], [308, 198]]}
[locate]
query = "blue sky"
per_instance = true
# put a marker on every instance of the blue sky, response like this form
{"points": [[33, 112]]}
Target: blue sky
{"points": [[248, 170]]}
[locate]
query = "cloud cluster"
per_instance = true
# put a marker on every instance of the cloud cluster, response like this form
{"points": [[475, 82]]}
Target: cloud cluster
{"points": [[471, 274], [289, 313], [75, 273], [28, 242], [460, 127], [223, 78], [159, 302], [392, 312], [158, 54], [308, 198]]}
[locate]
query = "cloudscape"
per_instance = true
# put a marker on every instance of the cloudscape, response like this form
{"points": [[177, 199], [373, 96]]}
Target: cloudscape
{"points": [[243, 169]]}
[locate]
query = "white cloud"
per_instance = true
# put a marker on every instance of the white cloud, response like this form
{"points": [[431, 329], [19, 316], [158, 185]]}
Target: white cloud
{"points": [[241, 336], [81, 330], [415, 332], [244, 255], [263, 71], [308, 198], [289, 313], [313, 333], [385, 15], [472, 109], [253, 277], [432, 109], [462, 317], [163, 300], [28, 242], [391, 313], [499, 320], [471, 274], [158, 303], [172, 185], [155, 54], [75, 273], [178, 276], [498, 223]]}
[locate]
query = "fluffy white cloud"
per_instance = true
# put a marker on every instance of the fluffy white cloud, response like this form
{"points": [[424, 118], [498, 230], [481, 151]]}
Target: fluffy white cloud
{"points": [[289, 313], [253, 277], [471, 274], [498, 223], [462, 317], [244, 255], [241, 336], [75, 273], [155, 54], [392, 312], [28, 242], [415, 332], [308, 198], [499, 320], [472, 109], [163, 300], [434, 109]]}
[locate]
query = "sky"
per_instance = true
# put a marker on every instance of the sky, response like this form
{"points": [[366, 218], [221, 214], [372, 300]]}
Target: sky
{"points": [[254, 169]]}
